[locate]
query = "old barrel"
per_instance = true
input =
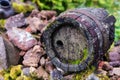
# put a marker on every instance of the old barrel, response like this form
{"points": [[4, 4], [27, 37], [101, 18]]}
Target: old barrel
{"points": [[78, 37]]}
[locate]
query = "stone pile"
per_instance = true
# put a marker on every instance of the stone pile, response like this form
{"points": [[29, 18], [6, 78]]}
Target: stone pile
{"points": [[21, 44]]}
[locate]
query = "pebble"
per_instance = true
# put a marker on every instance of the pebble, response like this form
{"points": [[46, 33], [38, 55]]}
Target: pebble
{"points": [[42, 73], [42, 61], [31, 59], [92, 77]]}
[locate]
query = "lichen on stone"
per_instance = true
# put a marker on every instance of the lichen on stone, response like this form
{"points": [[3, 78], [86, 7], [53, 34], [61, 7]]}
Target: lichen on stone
{"points": [[22, 7]]}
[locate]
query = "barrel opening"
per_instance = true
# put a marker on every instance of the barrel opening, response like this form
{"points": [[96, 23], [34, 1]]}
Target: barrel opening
{"points": [[5, 4], [59, 43]]}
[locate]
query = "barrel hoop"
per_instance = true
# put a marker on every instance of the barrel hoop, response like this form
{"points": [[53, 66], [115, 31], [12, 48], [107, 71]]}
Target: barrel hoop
{"points": [[93, 33], [96, 21]]}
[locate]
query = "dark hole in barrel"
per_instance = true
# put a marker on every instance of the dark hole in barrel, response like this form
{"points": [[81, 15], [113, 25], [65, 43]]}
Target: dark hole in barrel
{"points": [[5, 4], [59, 43]]}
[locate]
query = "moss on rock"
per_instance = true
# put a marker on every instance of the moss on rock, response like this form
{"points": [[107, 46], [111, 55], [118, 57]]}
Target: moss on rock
{"points": [[22, 7]]}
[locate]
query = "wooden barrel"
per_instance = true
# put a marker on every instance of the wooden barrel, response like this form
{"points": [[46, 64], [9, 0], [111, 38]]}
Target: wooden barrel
{"points": [[78, 37]]}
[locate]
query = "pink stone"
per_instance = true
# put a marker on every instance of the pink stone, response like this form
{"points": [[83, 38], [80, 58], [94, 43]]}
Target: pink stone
{"points": [[22, 39]]}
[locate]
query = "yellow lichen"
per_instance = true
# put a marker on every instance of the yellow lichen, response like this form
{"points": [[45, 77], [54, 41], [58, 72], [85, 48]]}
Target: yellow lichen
{"points": [[2, 22], [15, 71], [22, 7]]}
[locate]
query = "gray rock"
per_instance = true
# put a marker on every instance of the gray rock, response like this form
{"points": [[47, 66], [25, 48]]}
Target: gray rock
{"points": [[15, 21], [12, 52], [92, 77], [3, 56], [114, 56], [26, 71], [56, 75], [115, 63]]}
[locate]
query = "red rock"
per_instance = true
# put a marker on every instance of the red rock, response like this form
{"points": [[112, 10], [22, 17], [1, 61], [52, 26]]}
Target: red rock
{"points": [[31, 59], [22, 39], [34, 23]]}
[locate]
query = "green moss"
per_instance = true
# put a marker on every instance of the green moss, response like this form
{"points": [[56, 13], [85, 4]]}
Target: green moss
{"points": [[103, 77], [85, 55], [15, 71], [2, 23], [22, 7], [84, 74], [24, 78]]}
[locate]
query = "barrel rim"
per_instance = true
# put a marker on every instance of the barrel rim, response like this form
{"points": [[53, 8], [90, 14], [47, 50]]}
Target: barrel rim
{"points": [[47, 38]]}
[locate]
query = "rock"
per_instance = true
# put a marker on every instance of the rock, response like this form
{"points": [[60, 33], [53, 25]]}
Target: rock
{"points": [[92, 77], [105, 66], [34, 13], [22, 39], [28, 70], [47, 14], [3, 56], [115, 71], [69, 77], [38, 49], [31, 59], [115, 63], [42, 73], [42, 61], [56, 75], [38, 20], [12, 52], [44, 14], [49, 66], [22, 53], [100, 71], [15, 21], [34, 23], [115, 77], [114, 56]]}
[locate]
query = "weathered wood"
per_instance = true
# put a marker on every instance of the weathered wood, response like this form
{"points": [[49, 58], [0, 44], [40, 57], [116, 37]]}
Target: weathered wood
{"points": [[79, 36]]}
